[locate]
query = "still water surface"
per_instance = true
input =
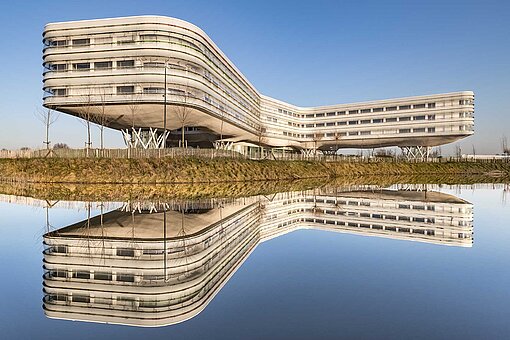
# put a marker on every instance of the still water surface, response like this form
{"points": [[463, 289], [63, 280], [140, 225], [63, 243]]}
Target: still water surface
{"points": [[398, 262]]}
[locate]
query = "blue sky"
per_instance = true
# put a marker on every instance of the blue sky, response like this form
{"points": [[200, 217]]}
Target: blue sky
{"points": [[306, 53]]}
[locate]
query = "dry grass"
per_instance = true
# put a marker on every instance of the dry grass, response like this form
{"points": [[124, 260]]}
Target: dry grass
{"points": [[193, 170]]}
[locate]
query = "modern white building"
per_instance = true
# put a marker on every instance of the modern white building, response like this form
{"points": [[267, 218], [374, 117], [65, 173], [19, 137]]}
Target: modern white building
{"points": [[152, 269], [149, 75]]}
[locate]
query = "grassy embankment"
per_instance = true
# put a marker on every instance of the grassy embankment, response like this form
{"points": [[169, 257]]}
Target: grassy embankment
{"points": [[98, 179], [192, 170]]}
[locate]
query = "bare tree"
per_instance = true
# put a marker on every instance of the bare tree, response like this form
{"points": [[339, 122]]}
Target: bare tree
{"points": [[458, 152], [87, 115], [183, 110], [317, 137], [261, 138], [47, 116], [134, 108], [504, 145], [100, 117]]}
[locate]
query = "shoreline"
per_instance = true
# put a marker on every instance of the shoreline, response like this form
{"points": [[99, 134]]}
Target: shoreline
{"points": [[222, 170]]}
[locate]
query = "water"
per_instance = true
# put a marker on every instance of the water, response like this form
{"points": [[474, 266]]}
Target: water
{"points": [[326, 263]]}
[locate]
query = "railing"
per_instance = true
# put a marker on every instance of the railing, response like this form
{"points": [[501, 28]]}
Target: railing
{"points": [[121, 153], [253, 154]]}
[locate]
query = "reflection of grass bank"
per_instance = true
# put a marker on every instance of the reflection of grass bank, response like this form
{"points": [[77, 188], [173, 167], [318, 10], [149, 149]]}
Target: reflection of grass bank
{"points": [[125, 192], [192, 170]]}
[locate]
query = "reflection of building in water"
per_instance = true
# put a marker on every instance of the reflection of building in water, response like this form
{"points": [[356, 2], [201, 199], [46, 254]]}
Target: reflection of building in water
{"points": [[160, 268]]}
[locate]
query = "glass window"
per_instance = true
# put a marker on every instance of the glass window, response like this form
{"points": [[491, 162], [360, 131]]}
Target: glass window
{"points": [[59, 43], [125, 89], [353, 112], [388, 120], [81, 275], [60, 92], [431, 117], [103, 64], [404, 107], [103, 276], [419, 130], [330, 124], [126, 63], [81, 42], [365, 110], [431, 129], [126, 277], [379, 120], [404, 119], [58, 67], [419, 106], [319, 115], [365, 121], [431, 105], [154, 90], [377, 109], [329, 114], [391, 108], [353, 122], [342, 123], [340, 113], [81, 66], [419, 117], [404, 131]]}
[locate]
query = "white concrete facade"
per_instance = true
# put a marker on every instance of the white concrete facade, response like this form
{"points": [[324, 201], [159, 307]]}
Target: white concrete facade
{"points": [[116, 70]]}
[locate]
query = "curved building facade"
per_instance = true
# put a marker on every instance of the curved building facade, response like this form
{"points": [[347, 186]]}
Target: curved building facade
{"points": [[126, 72]]}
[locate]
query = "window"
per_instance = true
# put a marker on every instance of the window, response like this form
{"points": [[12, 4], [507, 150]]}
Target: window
{"points": [[431, 117], [153, 90], [103, 276], [330, 124], [60, 92], [353, 122], [404, 131], [81, 275], [404, 119], [126, 252], [419, 106], [404, 107], [319, 115], [81, 66], [388, 120], [431, 105], [431, 129], [81, 298], [59, 43], [378, 109], [329, 114], [419, 130], [364, 133], [126, 277], [58, 67], [419, 117], [340, 113], [309, 116], [155, 64], [102, 65], [355, 133], [365, 110], [342, 123], [309, 125], [353, 112], [149, 37], [377, 120], [319, 125], [81, 42], [125, 89], [126, 63], [365, 121], [391, 108]]}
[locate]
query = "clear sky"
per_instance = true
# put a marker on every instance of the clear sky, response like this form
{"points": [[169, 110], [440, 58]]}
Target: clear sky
{"points": [[303, 52]]}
